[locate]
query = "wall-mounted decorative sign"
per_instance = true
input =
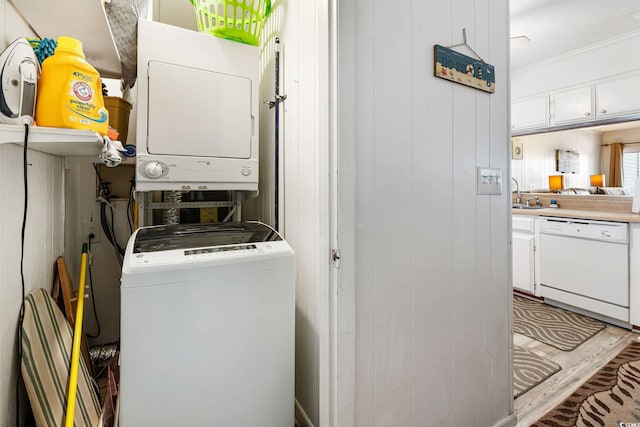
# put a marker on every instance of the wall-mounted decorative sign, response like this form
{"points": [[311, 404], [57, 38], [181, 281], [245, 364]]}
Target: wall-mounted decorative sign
{"points": [[459, 68], [567, 161]]}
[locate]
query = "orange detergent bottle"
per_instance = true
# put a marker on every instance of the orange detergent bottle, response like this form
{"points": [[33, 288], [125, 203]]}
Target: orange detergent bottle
{"points": [[70, 90]]}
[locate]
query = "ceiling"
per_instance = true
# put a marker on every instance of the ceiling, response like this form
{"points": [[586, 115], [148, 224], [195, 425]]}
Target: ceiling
{"points": [[553, 26], [556, 27]]}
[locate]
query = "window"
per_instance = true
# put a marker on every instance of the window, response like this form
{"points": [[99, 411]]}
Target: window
{"points": [[630, 167]]}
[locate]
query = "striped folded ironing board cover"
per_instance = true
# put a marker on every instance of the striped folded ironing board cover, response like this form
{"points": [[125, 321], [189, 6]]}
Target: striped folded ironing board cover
{"points": [[47, 339]]}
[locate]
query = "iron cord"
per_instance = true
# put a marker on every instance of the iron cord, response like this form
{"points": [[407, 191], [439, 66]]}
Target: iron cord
{"points": [[21, 314]]}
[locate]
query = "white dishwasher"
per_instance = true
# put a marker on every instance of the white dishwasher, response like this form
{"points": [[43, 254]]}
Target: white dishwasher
{"points": [[585, 263]]}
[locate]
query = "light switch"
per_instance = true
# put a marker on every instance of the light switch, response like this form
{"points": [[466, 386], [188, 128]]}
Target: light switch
{"points": [[489, 180]]}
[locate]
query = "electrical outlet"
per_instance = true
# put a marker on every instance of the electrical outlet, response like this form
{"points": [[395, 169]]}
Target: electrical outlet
{"points": [[91, 227]]}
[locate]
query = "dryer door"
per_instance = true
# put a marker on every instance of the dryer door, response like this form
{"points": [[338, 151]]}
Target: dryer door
{"points": [[195, 112]]}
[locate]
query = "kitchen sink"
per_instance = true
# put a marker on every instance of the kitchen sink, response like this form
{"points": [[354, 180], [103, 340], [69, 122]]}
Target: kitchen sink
{"points": [[523, 206]]}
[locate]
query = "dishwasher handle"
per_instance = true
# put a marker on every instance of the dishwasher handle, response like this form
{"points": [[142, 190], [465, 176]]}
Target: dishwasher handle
{"points": [[567, 221]]}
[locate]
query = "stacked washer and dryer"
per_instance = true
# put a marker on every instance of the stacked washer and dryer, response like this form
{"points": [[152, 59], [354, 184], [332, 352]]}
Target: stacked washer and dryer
{"points": [[207, 310]]}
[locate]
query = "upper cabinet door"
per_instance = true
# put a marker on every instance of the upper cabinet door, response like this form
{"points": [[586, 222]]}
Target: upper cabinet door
{"points": [[530, 113], [618, 96], [572, 105]]}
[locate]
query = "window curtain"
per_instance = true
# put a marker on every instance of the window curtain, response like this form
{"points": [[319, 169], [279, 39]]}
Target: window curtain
{"points": [[615, 165]]}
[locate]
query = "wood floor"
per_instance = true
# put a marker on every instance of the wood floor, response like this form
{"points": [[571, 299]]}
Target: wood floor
{"points": [[577, 366]]}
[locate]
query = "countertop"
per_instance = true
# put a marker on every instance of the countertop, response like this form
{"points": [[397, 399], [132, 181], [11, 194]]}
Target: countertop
{"points": [[581, 214]]}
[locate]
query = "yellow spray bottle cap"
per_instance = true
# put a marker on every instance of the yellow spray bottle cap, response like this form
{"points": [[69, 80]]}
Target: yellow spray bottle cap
{"points": [[69, 44]]}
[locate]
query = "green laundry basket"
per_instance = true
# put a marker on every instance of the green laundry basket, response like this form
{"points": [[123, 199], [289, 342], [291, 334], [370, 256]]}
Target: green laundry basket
{"points": [[238, 20]]}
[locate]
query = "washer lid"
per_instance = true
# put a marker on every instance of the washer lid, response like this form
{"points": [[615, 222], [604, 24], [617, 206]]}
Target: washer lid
{"points": [[189, 236]]}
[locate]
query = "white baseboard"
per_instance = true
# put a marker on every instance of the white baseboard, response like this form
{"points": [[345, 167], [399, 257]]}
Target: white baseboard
{"points": [[302, 417], [304, 421], [509, 421]]}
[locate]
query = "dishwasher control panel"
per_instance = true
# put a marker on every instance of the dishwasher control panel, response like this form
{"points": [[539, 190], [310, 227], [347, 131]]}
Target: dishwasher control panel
{"points": [[617, 232]]}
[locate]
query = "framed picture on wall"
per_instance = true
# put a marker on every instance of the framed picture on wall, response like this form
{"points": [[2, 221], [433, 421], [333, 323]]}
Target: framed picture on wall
{"points": [[567, 161], [516, 149]]}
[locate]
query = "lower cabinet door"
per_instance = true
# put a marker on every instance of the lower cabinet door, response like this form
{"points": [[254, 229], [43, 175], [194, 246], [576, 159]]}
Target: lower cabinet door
{"points": [[524, 262]]}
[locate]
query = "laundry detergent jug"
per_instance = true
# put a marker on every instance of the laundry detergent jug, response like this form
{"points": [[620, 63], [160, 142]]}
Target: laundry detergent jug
{"points": [[70, 90]]}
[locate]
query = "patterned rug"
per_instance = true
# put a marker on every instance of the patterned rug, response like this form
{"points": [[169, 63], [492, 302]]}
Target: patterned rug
{"points": [[559, 328], [611, 397], [529, 370]]}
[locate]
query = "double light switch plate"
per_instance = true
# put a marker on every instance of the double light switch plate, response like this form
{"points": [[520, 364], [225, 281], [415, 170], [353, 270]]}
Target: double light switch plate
{"points": [[489, 181]]}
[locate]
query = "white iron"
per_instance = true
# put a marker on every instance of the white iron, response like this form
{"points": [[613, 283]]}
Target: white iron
{"points": [[19, 71]]}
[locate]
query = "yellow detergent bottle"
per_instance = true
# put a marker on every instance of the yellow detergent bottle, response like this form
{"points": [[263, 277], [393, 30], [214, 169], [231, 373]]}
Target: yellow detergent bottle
{"points": [[70, 90]]}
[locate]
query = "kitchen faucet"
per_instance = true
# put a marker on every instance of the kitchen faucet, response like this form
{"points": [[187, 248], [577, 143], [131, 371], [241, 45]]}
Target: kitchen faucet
{"points": [[518, 198], [536, 200]]}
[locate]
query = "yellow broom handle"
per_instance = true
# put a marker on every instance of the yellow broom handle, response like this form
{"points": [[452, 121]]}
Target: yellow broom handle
{"points": [[77, 333]]}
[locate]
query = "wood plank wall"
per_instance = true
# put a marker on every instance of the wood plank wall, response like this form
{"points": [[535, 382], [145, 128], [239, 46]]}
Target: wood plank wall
{"points": [[303, 206], [44, 238], [425, 261]]}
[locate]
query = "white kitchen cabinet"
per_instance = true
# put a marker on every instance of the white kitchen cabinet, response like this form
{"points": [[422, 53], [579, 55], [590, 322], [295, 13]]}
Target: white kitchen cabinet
{"points": [[523, 262], [524, 244], [619, 96], [610, 98], [530, 113], [634, 274], [573, 105]]}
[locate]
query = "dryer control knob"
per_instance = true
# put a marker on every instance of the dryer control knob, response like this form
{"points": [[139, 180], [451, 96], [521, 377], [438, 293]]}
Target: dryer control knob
{"points": [[153, 169]]}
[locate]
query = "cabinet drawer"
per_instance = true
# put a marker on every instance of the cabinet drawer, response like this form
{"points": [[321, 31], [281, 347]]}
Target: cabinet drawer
{"points": [[523, 224]]}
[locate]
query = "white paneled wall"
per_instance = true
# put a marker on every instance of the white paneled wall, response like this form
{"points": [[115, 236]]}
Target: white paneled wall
{"points": [[539, 158], [44, 230], [105, 271], [262, 207], [43, 244], [624, 136], [305, 178], [425, 261]]}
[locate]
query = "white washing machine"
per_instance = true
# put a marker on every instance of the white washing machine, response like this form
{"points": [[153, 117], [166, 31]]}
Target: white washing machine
{"points": [[207, 327]]}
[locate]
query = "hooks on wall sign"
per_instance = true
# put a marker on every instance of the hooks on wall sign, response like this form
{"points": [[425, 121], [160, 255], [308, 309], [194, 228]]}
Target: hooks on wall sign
{"points": [[464, 43]]}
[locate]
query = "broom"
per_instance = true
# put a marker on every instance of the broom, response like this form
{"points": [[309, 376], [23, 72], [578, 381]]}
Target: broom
{"points": [[77, 334]]}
